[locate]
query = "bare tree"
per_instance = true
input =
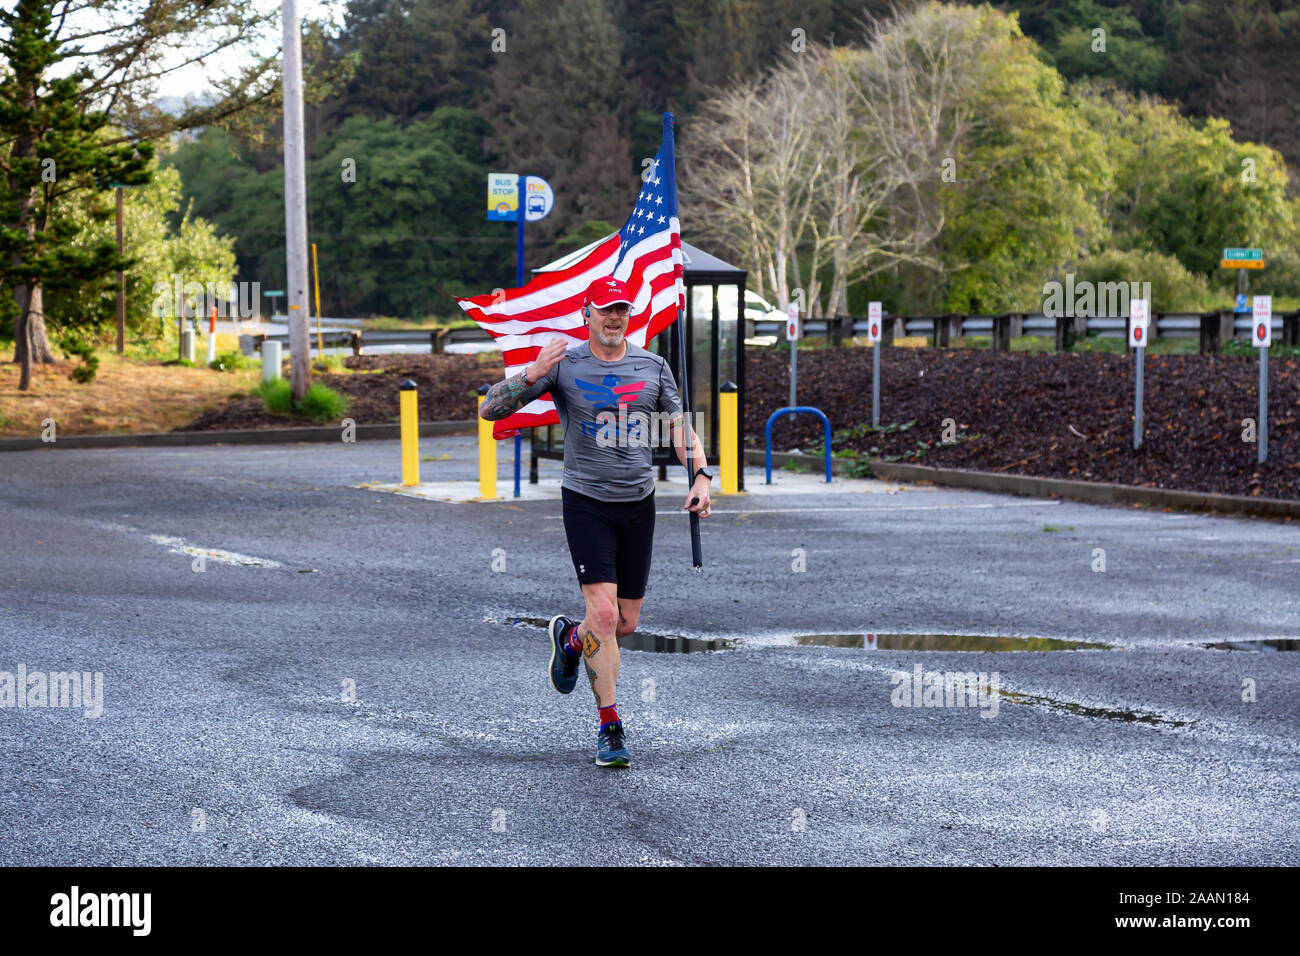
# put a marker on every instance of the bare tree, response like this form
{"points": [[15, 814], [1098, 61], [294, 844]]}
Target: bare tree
{"points": [[753, 173], [720, 155], [805, 172]]}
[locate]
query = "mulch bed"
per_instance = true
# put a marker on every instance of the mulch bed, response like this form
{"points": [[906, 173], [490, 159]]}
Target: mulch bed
{"points": [[1066, 415], [447, 388], [1056, 415]]}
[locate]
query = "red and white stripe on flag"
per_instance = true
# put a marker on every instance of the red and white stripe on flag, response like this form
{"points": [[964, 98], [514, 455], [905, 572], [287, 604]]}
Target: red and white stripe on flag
{"points": [[550, 305]]}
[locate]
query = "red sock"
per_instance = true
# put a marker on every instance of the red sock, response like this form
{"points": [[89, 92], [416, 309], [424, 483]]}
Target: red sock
{"points": [[609, 715], [573, 642]]}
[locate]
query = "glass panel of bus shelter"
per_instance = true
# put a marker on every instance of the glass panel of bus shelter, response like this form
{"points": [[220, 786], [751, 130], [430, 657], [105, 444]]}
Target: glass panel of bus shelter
{"points": [[701, 361], [728, 333]]}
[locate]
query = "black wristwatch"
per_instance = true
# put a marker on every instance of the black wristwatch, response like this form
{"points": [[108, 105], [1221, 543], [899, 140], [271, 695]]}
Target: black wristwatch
{"points": [[701, 471]]}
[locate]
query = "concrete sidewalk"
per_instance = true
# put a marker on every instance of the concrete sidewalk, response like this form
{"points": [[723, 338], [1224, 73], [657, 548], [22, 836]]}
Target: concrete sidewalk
{"points": [[783, 483]]}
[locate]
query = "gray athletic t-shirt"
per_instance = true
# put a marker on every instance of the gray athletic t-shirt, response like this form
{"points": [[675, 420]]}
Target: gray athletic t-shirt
{"points": [[609, 456]]}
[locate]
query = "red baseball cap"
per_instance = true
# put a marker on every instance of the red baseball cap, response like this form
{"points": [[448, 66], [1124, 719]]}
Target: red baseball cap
{"points": [[606, 292]]}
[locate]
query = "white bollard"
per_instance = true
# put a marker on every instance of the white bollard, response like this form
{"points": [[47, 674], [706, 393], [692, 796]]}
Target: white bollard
{"points": [[270, 361], [187, 345], [212, 348]]}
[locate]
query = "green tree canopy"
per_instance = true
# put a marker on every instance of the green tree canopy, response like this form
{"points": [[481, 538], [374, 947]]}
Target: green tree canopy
{"points": [[1185, 188], [397, 212]]}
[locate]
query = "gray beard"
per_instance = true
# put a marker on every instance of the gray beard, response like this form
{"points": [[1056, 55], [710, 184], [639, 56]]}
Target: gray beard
{"points": [[609, 339]]}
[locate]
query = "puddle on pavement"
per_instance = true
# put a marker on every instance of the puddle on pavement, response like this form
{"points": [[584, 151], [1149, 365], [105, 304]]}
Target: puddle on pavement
{"points": [[669, 644], [637, 641], [1255, 646], [642, 640], [945, 642]]}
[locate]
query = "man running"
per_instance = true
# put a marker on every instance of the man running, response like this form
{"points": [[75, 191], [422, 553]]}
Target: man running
{"points": [[608, 486]]}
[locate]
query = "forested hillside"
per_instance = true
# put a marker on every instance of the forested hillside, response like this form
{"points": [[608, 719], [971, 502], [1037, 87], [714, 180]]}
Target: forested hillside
{"points": [[1110, 138]]}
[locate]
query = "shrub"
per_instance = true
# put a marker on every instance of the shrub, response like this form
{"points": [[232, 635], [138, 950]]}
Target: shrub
{"points": [[77, 346], [1173, 288], [277, 395], [323, 404], [231, 361]]}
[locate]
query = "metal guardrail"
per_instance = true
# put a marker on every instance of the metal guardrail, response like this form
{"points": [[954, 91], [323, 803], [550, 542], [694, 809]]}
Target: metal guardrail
{"points": [[1211, 328], [357, 340]]}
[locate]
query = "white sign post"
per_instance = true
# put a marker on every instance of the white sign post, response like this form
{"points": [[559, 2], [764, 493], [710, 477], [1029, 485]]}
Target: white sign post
{"points": [[1139, 316], [875, 318], [1261, 335], [792, 333]]}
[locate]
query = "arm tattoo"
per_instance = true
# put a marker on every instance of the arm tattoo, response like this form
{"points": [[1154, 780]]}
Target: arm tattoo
{"points": [[503, 398]]}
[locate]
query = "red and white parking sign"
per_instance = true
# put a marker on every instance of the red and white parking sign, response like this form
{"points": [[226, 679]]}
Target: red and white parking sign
{"points": [[792, 321], [873, 321], [1261, 321], [1139, 316]]}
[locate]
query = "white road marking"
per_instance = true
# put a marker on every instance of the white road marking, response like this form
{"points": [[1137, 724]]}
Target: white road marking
{"points": [[178, 546]]}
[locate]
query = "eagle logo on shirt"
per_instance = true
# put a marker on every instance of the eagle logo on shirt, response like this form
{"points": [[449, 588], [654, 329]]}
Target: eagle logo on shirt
{"points": [[609, 390]]}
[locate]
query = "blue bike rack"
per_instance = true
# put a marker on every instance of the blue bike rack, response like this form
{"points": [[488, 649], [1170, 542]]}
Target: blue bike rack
{"points": [[789, 411]]}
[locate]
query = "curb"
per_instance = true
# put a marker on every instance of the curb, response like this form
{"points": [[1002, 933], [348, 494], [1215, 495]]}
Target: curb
{"points": [[243, 436], [1094, 492]]}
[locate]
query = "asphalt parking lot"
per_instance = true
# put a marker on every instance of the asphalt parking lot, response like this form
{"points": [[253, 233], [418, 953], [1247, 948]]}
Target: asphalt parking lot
{"points": [[348, 680]]}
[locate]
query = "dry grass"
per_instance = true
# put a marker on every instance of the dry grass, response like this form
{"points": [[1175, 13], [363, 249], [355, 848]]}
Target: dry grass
{"points": [[128, 395]]}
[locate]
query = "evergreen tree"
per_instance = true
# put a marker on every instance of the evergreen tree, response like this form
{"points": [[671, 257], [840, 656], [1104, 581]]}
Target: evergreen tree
{"points": [[1234, 60], [560, 108], [55, 149], [74, 68]]}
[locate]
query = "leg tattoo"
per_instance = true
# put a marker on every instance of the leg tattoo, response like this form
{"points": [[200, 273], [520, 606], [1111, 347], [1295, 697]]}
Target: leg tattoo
{"points": [[592, 644], [591, 676]]}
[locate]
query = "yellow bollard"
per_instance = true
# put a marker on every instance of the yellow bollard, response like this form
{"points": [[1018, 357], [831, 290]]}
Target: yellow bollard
{"points": [[728, 429], [487, 455], [410, 435]]}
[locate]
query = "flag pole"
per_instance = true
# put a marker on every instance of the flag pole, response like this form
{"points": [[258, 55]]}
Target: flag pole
{"points": [[696, 555], [688, 434]]}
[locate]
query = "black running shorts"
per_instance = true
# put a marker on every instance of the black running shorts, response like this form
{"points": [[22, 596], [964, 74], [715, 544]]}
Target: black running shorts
{"points": [[610, 540]]}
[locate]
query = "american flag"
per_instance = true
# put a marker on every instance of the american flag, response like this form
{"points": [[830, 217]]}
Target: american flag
{"points": [[646, 254]]}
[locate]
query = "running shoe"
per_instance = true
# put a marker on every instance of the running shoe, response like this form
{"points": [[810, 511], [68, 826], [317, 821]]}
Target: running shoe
{"points": [[610, 751], [564, 666]]}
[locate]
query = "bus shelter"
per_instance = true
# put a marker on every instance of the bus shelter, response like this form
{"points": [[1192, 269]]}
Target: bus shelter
{"points": [[715, 355]]}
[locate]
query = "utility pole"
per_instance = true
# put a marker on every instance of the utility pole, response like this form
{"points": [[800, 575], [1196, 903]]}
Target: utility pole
{"points": [[121, 279], [295, 202]]}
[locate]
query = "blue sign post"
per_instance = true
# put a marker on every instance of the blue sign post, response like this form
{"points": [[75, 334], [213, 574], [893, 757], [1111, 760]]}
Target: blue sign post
{"points": [[533, 199], [509, 194], [519, 245]]}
